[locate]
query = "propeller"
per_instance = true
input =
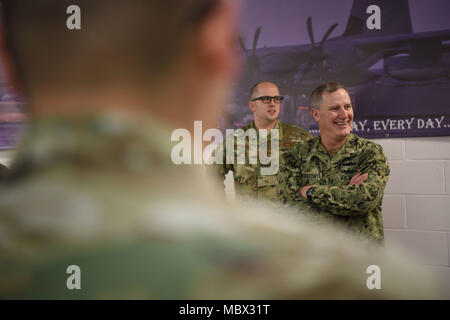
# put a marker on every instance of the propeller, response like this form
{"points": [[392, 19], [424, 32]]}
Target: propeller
{"points": [[327, 34], [316, 55], [252, 60], [310, 31], [255, 40]]}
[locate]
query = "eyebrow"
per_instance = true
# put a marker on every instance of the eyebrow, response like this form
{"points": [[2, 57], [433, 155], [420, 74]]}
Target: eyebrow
{"points": [[337, 105]]}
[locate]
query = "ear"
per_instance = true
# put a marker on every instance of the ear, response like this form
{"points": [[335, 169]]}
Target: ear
{"points": [[216, 40], [251, 105], [315, 114]]}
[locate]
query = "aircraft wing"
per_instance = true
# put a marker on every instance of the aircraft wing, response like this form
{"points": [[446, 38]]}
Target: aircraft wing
{"points": [[402, 39]]}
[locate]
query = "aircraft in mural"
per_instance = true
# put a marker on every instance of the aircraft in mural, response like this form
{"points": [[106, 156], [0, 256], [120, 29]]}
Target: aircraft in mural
{"points": [[414, 65]]}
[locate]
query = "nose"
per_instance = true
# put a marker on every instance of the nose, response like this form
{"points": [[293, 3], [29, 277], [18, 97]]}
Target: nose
{"points": [[272, 101], [342, 113]]}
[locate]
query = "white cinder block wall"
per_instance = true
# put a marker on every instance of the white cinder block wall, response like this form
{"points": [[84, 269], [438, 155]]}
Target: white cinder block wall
{"points": [[416, 206]]}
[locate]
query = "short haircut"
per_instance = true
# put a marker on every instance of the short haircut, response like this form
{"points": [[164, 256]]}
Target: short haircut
{"points": [[317, 94], [143, 37], [254, 88]]}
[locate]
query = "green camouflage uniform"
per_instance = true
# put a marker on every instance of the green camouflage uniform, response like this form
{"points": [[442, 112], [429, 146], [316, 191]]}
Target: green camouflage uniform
{"points": [[102, 193], [356, 206], [248, 180]]}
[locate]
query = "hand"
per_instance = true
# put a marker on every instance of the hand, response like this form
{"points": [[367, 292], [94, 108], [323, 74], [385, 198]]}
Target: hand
{"points": [[358, 178], [303, 191]]}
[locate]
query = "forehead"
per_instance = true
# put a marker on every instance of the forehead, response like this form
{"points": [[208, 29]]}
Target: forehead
{"points": [[267, 89], [337, 97]]}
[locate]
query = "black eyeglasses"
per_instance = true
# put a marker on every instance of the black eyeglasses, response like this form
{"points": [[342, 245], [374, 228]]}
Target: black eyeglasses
{"points": [[268, 99]]}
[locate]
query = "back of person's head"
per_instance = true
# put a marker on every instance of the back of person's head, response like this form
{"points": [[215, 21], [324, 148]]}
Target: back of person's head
{"points": [[140, 39], [143, 54]]}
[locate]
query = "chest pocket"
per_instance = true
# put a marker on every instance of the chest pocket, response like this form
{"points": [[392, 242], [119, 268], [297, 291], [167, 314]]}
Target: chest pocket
{"points": [[345, 171]]}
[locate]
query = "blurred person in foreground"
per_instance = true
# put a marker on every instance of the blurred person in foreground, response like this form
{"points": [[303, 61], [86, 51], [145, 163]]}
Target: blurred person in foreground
{"points": [[93, 184]]}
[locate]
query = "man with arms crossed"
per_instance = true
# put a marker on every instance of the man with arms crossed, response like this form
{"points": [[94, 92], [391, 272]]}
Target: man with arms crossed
{"points": [[337, 175]]}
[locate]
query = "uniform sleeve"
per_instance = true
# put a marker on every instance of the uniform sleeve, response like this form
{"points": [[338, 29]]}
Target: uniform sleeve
{"points": [[351, 200]]}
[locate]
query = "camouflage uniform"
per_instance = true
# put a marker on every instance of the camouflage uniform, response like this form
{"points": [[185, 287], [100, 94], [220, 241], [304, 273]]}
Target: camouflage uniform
{"points": [[101, 193], [356, 206], [248, 180]]}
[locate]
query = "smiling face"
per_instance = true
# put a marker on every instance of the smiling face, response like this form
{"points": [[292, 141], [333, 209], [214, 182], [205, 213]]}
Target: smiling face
{"points": [[334, 115], [265, 114]]}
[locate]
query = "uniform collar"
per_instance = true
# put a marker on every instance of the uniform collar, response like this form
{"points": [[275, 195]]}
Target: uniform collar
{"points": [[278, 126], [346, 151]]}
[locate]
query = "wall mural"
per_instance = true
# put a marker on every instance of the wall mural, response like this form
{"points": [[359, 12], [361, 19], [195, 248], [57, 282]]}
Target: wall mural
{"points": [[399, 79]]}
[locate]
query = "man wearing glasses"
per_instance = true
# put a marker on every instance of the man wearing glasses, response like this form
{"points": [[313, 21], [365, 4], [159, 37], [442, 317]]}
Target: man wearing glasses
{"points": [[265, 104]]}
